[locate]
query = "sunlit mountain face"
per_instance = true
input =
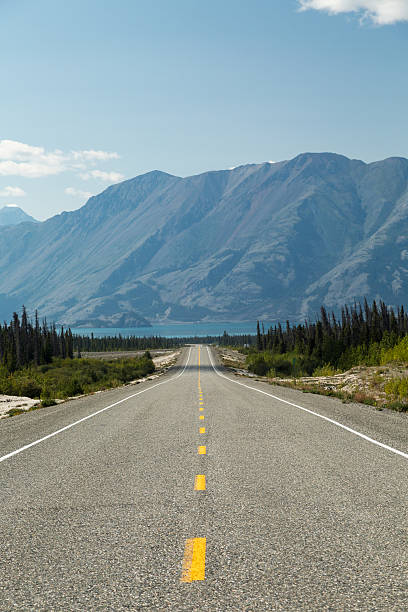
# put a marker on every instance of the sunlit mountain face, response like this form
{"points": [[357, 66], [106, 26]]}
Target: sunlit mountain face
{"points": [[272, 240]]}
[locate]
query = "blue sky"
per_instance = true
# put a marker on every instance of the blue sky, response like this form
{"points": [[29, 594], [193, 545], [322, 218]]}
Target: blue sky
{"points": [[94, 91]]}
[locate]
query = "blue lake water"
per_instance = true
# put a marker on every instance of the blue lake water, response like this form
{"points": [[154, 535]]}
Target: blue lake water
{"points": [[171, 330]]}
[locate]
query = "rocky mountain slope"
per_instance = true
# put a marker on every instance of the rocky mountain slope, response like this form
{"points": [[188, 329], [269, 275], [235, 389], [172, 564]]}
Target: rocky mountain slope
{"points": [[12, 215], [259, 241]]}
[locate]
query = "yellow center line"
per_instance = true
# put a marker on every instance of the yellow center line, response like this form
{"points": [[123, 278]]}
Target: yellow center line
{"points": [[202, 429], [201, 408], [194, 560], [199, 483], [202, 450], [201, 417]]}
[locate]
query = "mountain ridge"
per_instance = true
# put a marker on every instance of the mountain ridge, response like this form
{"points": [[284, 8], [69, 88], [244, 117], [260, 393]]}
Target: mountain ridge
{"points": [[269, 240]]}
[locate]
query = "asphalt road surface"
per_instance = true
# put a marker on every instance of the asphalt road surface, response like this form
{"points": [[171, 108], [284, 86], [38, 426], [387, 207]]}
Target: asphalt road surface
{"points": [[204, 491]]}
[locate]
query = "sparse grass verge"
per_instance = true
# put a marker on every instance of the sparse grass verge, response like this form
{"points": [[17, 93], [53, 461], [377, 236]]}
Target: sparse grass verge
{"points": [[65, 378]]}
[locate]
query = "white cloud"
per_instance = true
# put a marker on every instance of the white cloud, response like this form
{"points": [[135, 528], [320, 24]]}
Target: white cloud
{"points": [[108, 177], [11, 206], [12, 149], [77, 193], [381, 12], [92, 155], [14, 192], [21, 159]]}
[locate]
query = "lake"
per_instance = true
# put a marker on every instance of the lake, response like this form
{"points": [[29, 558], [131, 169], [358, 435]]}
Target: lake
{"points": [[171, 330]]}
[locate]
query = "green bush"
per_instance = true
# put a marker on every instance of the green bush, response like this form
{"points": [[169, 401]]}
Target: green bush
{"points": [[258, 366], [46, 397], [69, 377], [27, 387], [262, 363], [325, 370], [397, 388], [73, 387], [398, 406], [398, 353]]}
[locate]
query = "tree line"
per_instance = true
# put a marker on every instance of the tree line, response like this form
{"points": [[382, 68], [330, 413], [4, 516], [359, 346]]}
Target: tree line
{"points": [[135, 343], [355, 336], [24, 342]]}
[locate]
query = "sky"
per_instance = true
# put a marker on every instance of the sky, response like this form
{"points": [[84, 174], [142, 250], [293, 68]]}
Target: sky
{"points": [[97, 91]]}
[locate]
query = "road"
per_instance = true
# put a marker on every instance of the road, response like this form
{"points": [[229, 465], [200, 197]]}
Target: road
{"points": [[259, 505]]}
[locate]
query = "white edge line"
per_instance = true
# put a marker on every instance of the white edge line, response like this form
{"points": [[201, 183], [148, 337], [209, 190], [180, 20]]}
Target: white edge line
{"points": [[89, 416], [353, 431]]}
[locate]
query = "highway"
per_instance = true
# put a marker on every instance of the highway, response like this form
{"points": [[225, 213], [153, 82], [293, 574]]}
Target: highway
{"points": [[202, 490]]}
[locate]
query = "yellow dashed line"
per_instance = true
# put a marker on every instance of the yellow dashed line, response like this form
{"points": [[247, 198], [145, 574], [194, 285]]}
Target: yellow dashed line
{"points": [[199, 484], [194, 560], [202, 429], [202, 450], [201, 409], [201, 417]]}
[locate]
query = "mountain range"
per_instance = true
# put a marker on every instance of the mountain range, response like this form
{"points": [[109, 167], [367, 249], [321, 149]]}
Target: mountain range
{"points": [[11, 214], [260, 241]]}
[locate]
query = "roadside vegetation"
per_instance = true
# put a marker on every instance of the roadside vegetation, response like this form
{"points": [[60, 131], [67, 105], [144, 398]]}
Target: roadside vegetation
{"points": [[316, 356], [63, 378], [37, 361]]}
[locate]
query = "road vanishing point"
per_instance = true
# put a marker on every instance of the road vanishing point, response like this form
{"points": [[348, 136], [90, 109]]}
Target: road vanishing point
{"points": [[202, 490]]}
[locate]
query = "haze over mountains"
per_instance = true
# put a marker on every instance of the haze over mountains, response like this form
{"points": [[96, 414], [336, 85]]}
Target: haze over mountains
{"points": [[11, 214], [259, 241]]}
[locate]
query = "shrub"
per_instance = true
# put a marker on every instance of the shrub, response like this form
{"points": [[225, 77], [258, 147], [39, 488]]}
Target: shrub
{"points": [[73, 387], [258, 366], [27, 387], [15, 411], [46, 398], [398, 353], [48, 402], [66, 377], [398, 406], [362, 398], [397, 388], [325, 370]]}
